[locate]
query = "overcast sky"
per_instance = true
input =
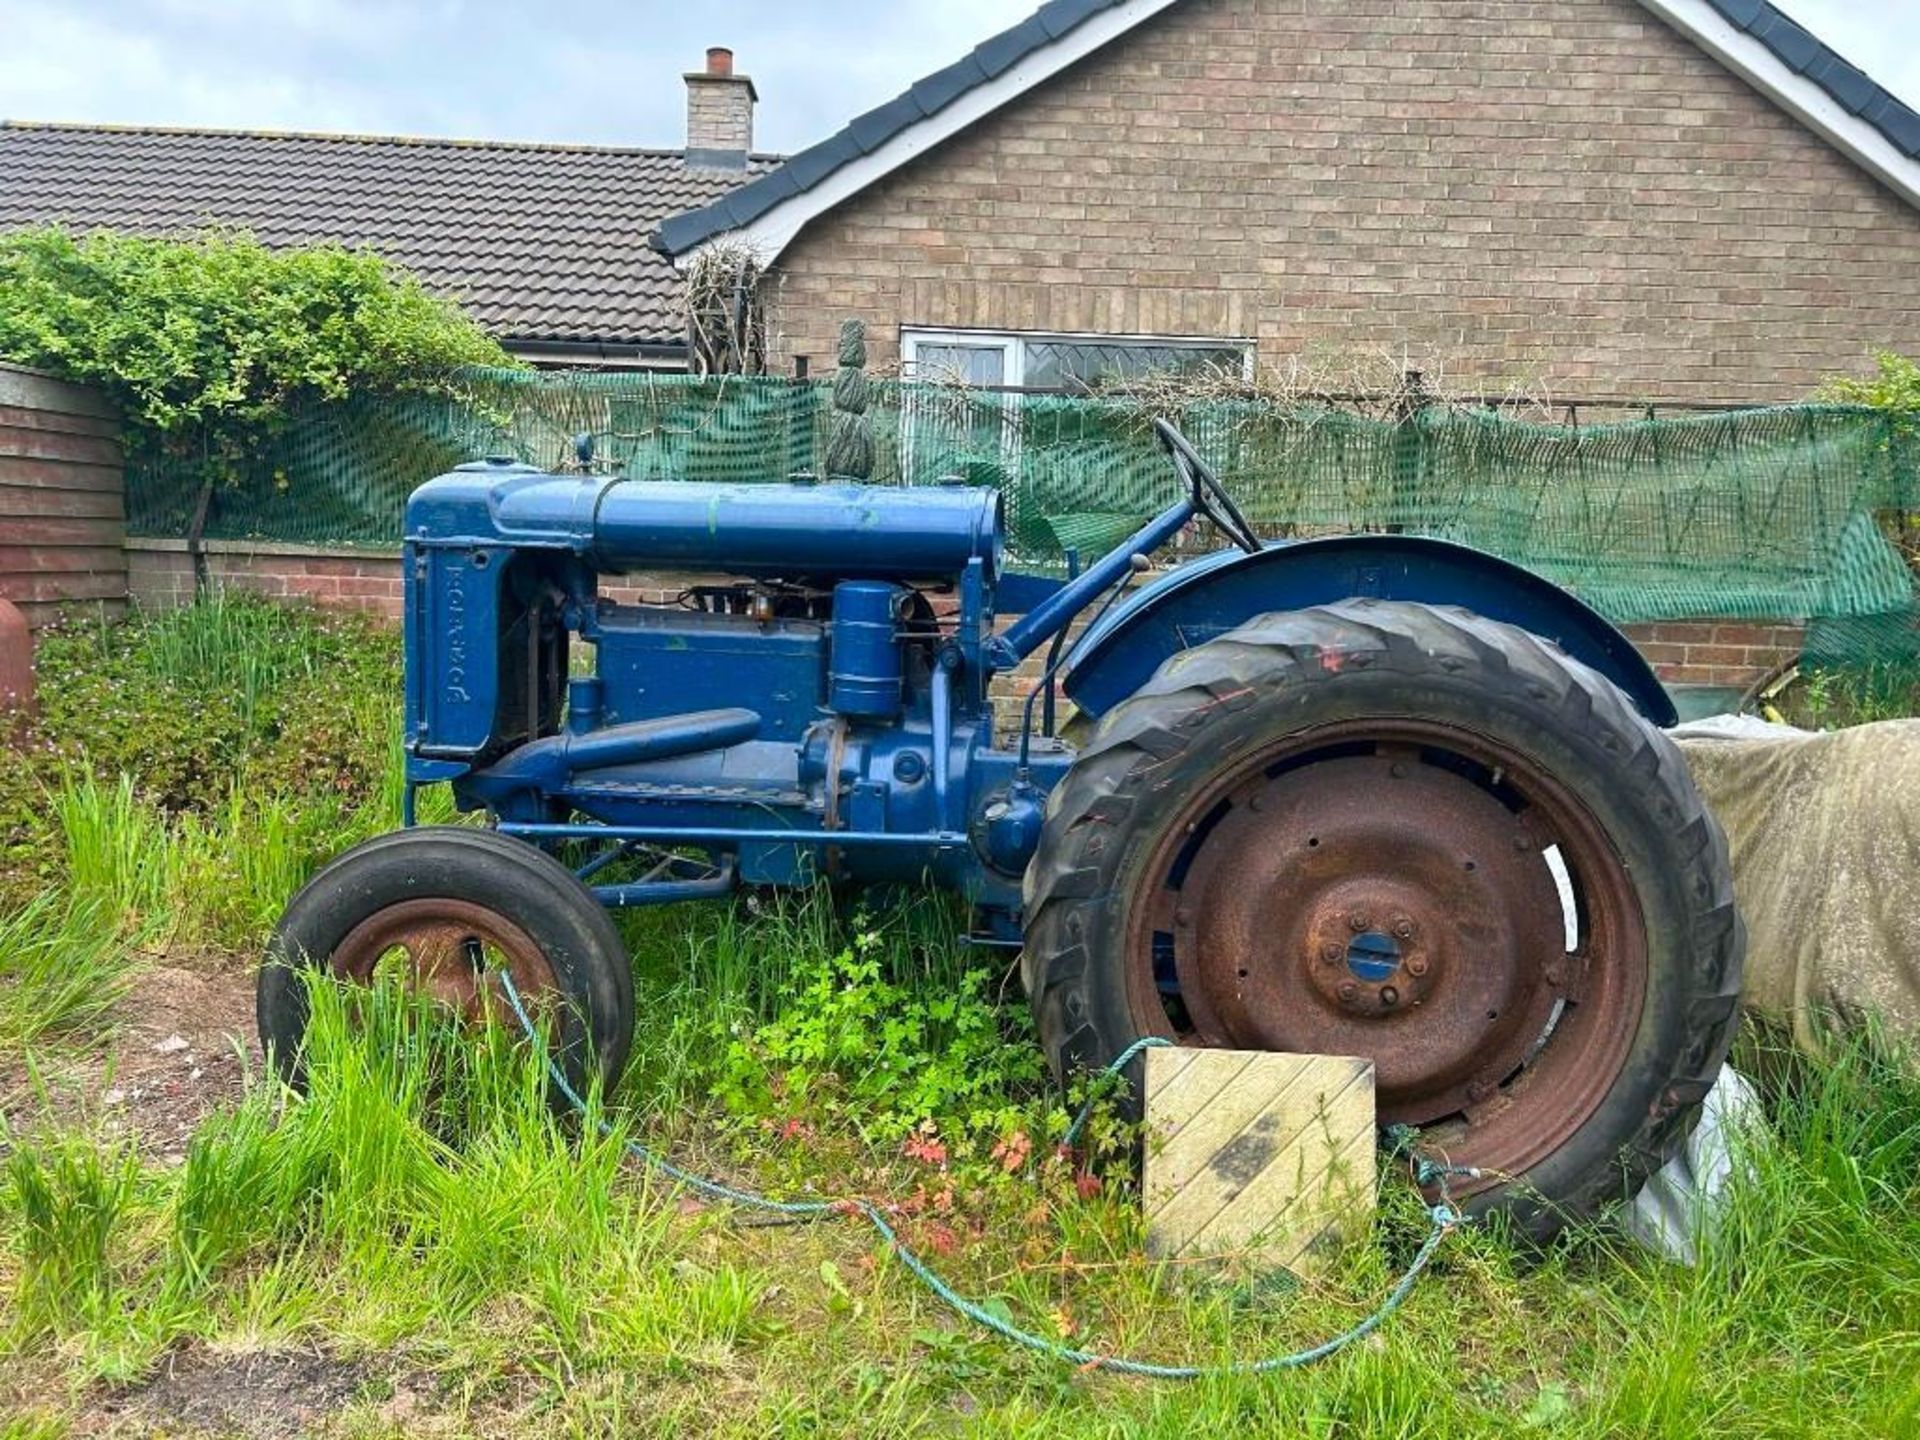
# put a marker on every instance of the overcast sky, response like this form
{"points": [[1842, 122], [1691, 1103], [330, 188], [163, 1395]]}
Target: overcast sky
{"points": [[604, 71]]}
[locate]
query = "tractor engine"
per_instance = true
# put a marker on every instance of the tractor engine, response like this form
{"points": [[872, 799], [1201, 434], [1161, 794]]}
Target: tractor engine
{"points": [[820, 673]]}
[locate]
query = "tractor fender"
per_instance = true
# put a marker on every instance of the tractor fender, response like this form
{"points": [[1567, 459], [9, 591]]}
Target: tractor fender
{"points": [[1204, 599]]}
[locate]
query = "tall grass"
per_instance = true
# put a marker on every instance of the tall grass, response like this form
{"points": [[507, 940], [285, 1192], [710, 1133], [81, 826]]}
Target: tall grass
{"points": [[220, 876], [63, 966], [422, 1178], [232, 644], [68, 1197], [422, 1196]]}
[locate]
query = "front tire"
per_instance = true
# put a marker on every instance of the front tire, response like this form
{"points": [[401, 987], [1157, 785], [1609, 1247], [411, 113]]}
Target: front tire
{"points": [[446, 906], [1412, 834]]}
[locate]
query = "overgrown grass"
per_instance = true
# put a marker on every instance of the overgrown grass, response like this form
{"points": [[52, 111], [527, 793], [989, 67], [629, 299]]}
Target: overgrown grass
{"points": [[64, 964], [422, 1213], [422, 1207]]}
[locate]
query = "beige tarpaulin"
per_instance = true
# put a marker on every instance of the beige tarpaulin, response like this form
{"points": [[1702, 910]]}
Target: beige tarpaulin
{"points": [[1825, 834]]}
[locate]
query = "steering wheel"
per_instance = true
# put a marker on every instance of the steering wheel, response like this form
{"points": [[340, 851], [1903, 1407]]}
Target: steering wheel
{"points": [[1210, 497]]}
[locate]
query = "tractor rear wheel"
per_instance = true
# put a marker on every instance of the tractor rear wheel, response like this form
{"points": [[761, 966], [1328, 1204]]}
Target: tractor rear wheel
{"points": [[1416, 835], [443, 909]]}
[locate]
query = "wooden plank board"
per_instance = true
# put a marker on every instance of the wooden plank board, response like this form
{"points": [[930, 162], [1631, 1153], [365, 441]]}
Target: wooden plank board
{"points": [[1256, 1156], [39, 444], [29, 501], [28, 418], [65, 585], [41, 391], [101, 557], [50, 532], [60, 474]]}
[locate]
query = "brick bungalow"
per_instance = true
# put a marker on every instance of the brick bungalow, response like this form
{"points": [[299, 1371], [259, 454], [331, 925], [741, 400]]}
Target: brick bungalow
{"points": [[1677, 200]]}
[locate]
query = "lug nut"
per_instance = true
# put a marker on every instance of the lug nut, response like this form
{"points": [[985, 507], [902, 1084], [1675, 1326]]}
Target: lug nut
{"points": [[1330, 954], [1348, 990], [1389, 997], [1403, 927], [1417, 965], [1357, 921]]}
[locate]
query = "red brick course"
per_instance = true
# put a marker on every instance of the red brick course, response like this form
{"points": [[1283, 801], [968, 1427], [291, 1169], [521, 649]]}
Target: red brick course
{"points": [[1716, 652]]}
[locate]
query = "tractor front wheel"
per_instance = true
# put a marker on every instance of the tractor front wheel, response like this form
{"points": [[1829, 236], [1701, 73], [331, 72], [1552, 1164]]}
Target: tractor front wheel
{"points": [[1415, 835], [442, 910]]}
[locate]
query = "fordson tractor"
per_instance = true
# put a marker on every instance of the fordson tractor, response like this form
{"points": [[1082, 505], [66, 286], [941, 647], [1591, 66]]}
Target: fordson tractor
{"points": [[1372, 795]]}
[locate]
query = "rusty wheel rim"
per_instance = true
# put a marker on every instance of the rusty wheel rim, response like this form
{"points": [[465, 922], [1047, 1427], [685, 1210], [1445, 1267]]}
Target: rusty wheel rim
{"points": [[1411, 892], [445, 950]]}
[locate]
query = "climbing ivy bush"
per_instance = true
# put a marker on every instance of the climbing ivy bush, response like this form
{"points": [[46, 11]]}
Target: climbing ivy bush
{"points": [[217, 336]]}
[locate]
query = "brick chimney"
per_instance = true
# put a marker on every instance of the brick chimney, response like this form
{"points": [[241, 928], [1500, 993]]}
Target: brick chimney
{"points": [[719, 114]]}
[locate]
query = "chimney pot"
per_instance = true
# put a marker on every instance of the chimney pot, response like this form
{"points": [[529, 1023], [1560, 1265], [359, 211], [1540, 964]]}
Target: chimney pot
{"points": [[719, 60]]}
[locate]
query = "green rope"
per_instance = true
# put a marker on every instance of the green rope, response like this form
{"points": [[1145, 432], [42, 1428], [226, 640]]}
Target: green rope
{"points": [[1444, 1217]]}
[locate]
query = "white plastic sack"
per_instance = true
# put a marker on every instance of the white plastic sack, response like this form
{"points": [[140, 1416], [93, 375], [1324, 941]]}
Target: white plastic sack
{"points": [[1679, 1206]]}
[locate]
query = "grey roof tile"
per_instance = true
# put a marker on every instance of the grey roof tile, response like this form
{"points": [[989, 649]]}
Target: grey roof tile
{"points": [[1806, 54], [539, 242]]}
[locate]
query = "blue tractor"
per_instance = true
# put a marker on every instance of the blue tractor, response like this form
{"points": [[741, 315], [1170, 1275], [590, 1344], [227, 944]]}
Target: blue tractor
{"points": [[1369, 795]]}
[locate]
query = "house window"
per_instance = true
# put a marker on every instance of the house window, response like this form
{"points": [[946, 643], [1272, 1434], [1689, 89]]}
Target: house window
{"points": [[1073, 364]]}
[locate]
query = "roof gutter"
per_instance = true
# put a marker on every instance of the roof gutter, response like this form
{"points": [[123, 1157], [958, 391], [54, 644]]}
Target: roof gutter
{"points": [[648, 355], [1805, 99]]}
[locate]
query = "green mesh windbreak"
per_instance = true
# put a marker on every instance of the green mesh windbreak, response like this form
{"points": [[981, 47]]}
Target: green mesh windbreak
{"points": [[1790, 512]]}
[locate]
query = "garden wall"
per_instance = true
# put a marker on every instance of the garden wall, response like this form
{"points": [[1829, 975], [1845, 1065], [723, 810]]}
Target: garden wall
{"points": [[1702, 652], [62, 504]]}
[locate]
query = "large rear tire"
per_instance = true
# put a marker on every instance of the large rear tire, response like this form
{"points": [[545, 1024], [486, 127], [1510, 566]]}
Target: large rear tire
{"points": [[446, 907], [1417, 835]]}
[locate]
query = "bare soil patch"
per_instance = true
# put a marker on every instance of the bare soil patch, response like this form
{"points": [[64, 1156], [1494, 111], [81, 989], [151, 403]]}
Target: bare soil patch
{"points": [[183, 1044], [263, 1395]]}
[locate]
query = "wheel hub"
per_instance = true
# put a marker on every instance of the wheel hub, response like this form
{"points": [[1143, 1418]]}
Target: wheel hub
{"points": [[445, 949], [1375, 906]]}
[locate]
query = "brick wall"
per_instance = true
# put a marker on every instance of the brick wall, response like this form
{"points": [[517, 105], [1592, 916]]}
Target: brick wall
{"points": [[62, 512], [1716, 652], [1556, 194], [160, 573]]}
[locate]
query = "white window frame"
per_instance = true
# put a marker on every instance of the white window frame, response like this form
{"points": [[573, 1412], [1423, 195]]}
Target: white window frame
{"points": [[1013, 345]]}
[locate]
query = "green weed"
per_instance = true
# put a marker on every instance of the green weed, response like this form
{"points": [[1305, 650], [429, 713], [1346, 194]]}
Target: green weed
{"points": [[852, 1035], [1830, 698]]}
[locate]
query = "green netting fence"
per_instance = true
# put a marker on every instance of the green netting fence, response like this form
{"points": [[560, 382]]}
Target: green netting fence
{"points": [[1790, 512]]}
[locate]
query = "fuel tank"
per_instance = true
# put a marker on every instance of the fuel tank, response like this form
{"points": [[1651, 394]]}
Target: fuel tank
{"points": [[776, 529]]}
